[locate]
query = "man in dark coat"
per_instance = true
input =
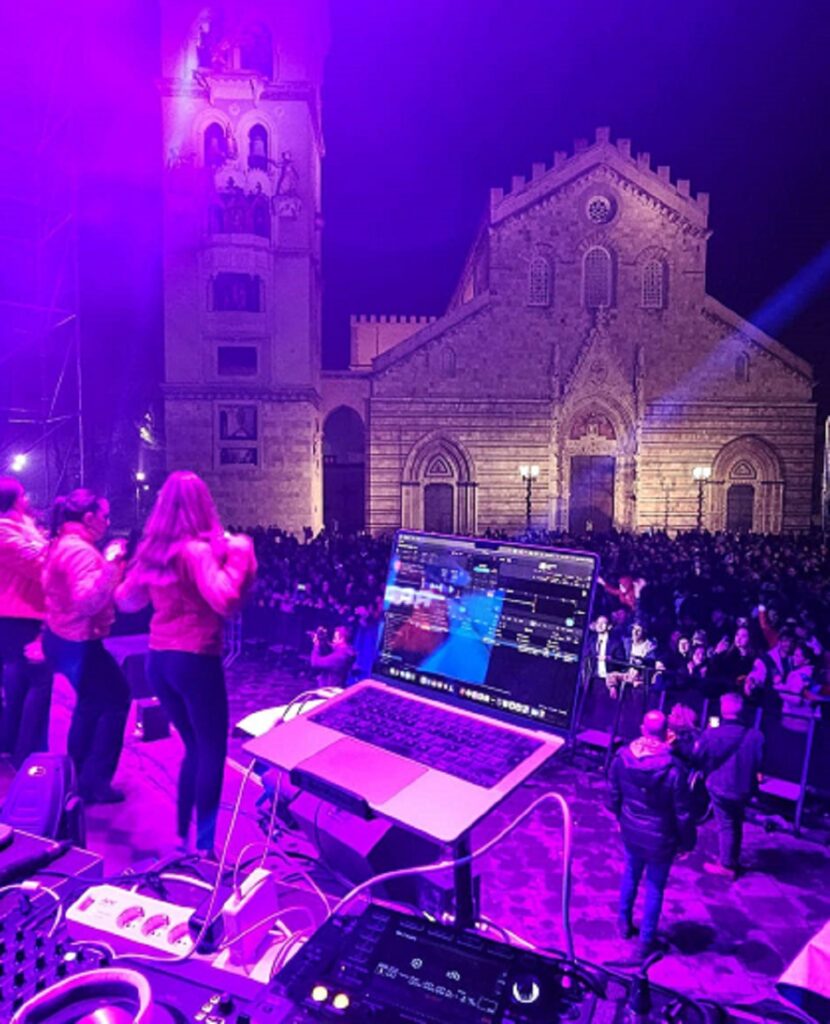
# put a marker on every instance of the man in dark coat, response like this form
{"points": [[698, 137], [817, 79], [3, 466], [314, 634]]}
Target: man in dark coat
{"points": [[729, 755], [650, 798]]}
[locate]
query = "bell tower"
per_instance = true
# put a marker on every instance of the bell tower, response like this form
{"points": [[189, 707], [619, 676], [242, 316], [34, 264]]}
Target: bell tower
{"points": [[242, 224]]}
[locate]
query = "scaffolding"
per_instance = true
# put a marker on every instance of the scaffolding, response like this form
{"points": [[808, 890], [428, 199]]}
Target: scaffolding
{"points": [[41, 421]]}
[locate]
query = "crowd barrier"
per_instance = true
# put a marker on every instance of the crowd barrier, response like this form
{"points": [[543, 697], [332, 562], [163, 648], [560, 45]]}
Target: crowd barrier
{"points": [[796, 760]]}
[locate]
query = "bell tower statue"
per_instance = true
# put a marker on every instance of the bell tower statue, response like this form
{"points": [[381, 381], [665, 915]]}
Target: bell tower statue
{"points": [[242, 224]]}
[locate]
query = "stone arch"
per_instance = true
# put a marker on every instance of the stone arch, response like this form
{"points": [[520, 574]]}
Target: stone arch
{"points": [[597, 438], [344, 470], [439, 461], [202, 122], [748, 461]]}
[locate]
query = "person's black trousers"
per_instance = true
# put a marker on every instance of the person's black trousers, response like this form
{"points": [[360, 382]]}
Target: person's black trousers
{"points": [[96, 734], [191, 689], [27, 692], [729, 821]]}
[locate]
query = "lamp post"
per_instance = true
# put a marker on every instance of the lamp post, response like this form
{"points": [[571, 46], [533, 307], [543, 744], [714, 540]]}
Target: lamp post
{"points": [[701, 474], [528, 473], [140, 485]]}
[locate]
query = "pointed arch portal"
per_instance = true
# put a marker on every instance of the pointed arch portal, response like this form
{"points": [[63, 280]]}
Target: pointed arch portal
{"points": [[439, 487]]}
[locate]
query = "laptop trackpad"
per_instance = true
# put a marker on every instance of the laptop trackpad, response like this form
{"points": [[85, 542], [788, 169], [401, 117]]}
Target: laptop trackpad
{"points": [[362, 770]]}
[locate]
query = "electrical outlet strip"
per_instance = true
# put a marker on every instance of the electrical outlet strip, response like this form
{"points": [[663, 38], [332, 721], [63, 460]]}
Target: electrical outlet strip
{"points": [[130, 922]]}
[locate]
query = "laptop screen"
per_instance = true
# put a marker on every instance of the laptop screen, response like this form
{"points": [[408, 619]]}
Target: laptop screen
{"points": [[494, 625]]}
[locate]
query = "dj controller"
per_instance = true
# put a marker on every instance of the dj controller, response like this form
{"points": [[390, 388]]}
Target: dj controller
{"points": [[380, 966]]}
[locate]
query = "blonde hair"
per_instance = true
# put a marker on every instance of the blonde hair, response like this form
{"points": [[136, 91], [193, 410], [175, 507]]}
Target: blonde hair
{"points": [[184, 510]]}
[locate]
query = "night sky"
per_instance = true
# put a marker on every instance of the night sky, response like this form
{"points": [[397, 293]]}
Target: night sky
{"points": [[427, 105]]}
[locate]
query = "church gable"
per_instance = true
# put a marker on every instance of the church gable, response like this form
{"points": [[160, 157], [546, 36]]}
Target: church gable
{"points": [[613, 163]]}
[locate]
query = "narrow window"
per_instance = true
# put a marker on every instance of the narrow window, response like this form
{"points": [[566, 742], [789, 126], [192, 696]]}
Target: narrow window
{"points": [[596, 278], [538, 282]]}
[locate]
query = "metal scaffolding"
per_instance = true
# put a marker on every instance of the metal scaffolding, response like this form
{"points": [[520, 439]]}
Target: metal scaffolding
{"points": [[41, 421]]}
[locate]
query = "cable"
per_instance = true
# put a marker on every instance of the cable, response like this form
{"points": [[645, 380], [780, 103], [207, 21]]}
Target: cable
{"points": [[217, 886], [443, 865], [273, 818]]}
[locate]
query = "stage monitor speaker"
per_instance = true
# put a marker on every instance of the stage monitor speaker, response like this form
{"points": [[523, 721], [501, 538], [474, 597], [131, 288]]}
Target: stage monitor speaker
{"points": [[43, 799], [358, 849]]}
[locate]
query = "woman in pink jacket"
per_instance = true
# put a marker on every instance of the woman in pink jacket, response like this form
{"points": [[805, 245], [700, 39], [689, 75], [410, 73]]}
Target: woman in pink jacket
{"points": [[195, 577], [79, 587], [27, 682]]}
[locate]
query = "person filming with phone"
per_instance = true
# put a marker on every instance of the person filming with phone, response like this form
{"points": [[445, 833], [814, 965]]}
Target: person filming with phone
{"points": [[333, 657]]}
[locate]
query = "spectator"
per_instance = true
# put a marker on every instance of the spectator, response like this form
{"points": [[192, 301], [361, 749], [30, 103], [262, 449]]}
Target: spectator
{"points": [[650, 799], [333, 658], [729, 755]]}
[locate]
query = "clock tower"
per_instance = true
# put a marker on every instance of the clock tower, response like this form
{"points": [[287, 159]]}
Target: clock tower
{"points": [[242, 224]]}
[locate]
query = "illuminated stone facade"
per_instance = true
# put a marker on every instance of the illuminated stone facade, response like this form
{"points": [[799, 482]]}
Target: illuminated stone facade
{"points": [[242, 147], [581, 339]]}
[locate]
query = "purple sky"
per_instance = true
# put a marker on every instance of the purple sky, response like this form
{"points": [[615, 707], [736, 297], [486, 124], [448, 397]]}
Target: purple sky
{"points": [[429, 104]]}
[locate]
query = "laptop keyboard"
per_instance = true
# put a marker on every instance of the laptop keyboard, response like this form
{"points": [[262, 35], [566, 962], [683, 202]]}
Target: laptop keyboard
{"points": [[477, 752]]}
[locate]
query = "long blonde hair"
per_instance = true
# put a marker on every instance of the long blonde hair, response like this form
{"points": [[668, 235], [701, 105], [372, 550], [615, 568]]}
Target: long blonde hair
{"points": [[184, 510]]}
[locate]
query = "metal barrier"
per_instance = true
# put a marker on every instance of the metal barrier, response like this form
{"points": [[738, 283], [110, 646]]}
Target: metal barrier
{"points": [[232, 641], [797, 738]]}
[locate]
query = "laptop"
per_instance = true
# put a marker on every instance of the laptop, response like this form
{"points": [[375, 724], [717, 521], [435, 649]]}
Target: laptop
{"points": [[473, 687]]}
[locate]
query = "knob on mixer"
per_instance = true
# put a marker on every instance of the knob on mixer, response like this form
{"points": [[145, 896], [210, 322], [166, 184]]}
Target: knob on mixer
{"points": [[526, 989]]}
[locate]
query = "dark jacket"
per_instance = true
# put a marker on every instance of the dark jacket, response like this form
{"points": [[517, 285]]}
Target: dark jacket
{"points": [[650, 797], [730, 775]]}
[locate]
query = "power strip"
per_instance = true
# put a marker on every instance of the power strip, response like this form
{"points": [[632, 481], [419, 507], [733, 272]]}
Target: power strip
{"points": [[131, 922]]}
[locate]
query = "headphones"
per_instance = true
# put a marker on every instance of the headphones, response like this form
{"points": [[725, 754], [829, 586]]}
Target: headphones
{"points": [[109, 995]]}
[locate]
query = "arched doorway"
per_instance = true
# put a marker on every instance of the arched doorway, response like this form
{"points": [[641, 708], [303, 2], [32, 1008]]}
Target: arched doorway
{"points": [[746, 489], [596, 470], [439, 490], [344, 464], [740, 508]]}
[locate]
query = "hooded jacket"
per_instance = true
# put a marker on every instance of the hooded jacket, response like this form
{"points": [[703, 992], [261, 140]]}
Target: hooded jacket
{"points": [[650, 798], [22, 556]]}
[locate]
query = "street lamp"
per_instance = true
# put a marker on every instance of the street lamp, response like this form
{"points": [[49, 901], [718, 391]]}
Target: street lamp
{"points": [[18, 462], [140, 477], [528, 473], [701, 474]]}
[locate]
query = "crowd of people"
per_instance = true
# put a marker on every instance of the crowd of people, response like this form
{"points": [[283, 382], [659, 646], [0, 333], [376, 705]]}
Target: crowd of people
{"points": [[726, 623]]}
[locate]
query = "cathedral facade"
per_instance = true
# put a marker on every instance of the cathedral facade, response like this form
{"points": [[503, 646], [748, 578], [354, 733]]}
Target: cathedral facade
{"points": [[582, 378], [243, 147]]}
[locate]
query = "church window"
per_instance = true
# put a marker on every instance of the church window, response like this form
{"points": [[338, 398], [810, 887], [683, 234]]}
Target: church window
{"points": [[596, 278], [538, 282], [448, 362], [237, 293], [653, 285], [216, 145], [599, 209], [258, 147], [742, 369]]}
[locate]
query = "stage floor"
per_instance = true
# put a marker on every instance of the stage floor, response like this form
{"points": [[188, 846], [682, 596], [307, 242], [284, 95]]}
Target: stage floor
{"points": [[727, 940]]}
